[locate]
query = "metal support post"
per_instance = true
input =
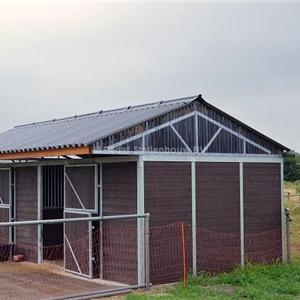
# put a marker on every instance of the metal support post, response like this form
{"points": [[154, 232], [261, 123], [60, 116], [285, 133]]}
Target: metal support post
{"points": [[40, 213], [140, 222], [147, 253]]}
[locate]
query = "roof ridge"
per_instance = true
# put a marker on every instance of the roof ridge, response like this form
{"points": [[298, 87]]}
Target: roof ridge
{"points": [[106, 112]]}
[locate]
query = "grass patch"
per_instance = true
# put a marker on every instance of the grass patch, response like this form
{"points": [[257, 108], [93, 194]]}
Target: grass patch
{"points": [[276, 282], [292, 187], [294, 204]]}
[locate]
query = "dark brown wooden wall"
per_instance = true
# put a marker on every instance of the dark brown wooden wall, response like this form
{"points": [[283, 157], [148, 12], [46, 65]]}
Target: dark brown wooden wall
{"points": [[218, 196], [119, 194], [4, 186], [26, 209], [262, 212], [262, 197], [168, 192], [168, 199], [119, 188], [218, 216], [83, 180]]}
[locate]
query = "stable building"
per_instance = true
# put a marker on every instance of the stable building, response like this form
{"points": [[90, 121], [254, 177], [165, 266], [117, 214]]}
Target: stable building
{"points": [[181, 160]]}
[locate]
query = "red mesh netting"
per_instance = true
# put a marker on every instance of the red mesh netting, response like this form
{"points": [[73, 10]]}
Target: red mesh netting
{"points": [[216, 252], [265, 247]]}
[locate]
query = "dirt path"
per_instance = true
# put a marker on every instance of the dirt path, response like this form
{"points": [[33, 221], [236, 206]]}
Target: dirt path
{"points": [[31, 281]]}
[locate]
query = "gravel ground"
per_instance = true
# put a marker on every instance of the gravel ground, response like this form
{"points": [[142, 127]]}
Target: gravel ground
{"points": [[35, 282]]}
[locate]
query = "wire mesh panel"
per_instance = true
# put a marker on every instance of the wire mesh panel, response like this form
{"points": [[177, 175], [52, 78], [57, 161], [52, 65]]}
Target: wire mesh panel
{"points": [[216, 251], [81, 188], [120, 251], [265, 247], [78, 245], [166, 255]]}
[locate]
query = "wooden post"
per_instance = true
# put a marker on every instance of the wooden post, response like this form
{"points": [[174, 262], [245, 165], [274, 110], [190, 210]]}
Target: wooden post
{"points": [[288, 220]]}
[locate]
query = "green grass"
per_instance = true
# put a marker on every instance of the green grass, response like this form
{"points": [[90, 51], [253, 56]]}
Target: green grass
{"points": [[294, 204], [276, 282], [293, 187]]}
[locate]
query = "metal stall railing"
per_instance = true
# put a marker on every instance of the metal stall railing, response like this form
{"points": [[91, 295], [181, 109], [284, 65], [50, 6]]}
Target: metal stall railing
{"points": [[131, 241]]}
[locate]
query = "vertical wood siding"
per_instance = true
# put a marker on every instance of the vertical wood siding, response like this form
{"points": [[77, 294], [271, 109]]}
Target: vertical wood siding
{"points": [[119, 196], [218, 216], [4, 186], [165, 138], [168, 199], [26, 210], [83, 180], [119, 188], [262, 210], [168, 193], [262, 197], [218, 197]]}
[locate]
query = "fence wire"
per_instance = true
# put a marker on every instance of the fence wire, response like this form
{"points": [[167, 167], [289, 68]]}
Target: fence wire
{"points": [[114, 250]]}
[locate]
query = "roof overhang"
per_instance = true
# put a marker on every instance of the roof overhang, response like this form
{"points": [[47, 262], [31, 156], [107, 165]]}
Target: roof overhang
{"points": [[80, 150]]}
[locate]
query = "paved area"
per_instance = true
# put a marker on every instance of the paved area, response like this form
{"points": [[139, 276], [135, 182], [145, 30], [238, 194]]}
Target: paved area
{"points": [[36, 282]]}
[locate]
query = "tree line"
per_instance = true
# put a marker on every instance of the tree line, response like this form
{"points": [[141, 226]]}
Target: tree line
{"points": [[292, 168]]}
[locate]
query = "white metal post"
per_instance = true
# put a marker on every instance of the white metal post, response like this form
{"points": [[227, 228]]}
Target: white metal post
{"points": [[194, 217], [140, 222], [10, 205], [40, 213], [147, 252], [90, 225], [283, 217], [242, 230], [14, 193], [196, 133], [101, 215]]}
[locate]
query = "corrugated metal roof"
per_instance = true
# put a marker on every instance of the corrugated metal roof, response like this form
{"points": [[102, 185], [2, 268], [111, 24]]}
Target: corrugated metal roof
{"points": [[82, 129]]}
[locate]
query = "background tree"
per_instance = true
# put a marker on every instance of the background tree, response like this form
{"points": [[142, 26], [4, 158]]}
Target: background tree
{"points": [[291, 168]]}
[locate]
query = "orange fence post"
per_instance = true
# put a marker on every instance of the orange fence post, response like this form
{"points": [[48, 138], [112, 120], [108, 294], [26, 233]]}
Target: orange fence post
{"points": [[183, 255]]}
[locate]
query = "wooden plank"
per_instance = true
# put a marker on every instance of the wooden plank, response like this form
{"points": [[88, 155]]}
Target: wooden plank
{"points": [[83, 150]]}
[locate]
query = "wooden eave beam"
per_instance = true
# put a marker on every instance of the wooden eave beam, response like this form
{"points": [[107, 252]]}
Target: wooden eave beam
{"points": [[82, 150]]}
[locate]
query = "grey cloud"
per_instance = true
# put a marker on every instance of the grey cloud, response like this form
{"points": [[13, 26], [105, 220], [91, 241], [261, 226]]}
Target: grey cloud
{"points": [[64, 59]]}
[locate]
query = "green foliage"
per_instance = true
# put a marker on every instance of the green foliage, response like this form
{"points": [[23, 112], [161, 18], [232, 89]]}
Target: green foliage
{"points": [[278, 282], [291, 168]]}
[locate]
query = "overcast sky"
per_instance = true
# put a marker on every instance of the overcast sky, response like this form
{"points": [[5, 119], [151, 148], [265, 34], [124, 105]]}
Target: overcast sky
{"points": [[65, 59]]}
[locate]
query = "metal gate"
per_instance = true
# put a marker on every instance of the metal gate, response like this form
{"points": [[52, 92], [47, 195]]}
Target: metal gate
{"points": [[81, 200], [5, 205]]}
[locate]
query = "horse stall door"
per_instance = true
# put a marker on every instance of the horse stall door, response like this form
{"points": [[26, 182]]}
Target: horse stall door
{"points": [[78, 245], [81, 201]]}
